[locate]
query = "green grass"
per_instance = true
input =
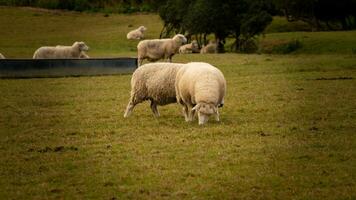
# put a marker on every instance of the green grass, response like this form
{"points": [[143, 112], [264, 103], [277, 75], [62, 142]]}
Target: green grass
{"points": [[23, 30], [337, 42], [287, 129], [280, 24]]}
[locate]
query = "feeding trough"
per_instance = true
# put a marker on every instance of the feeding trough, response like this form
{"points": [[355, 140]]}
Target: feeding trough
{"points": [[31, 68]]}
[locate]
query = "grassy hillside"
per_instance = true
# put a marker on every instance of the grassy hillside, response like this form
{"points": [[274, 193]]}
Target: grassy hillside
{"points": [[287, 132], [287, 129], [23, 30], [280, 24]]}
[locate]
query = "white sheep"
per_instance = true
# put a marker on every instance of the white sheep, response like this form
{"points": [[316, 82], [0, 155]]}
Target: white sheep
{"points": [[209, 48], [82, 54], [154, 82], [200, 87], [59, 51], [156, 49], [193, 47], [2, 56], [136, 34]]}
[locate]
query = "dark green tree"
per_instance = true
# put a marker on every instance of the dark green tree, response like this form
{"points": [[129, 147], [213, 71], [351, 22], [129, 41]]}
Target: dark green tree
{"points": [[321, 14], [241, 19]]}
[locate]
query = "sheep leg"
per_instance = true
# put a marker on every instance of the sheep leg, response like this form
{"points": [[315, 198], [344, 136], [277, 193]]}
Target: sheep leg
{"points": [[217, 115], [139, 61], [186, 113], [129, 109], [154, 109], [191, 114]]}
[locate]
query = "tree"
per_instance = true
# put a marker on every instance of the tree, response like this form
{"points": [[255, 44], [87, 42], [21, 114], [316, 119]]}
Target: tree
{"points": [[241, 19], [321, 14]]}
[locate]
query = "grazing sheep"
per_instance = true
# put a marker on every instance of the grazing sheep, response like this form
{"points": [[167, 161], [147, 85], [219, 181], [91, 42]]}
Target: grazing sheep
{"points": [[156, 49], [1, 56], [154, 82], [136, 34], [193, 47], [59, 51], [209, 48], [200, 87]]}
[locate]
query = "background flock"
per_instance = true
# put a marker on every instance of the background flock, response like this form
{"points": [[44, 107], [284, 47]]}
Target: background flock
{"points": [[198, 87]]}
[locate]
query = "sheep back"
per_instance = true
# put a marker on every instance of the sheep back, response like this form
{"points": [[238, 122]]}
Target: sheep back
{"points": [[198, 82], [154, 49], [155, 81], [60, 51]]}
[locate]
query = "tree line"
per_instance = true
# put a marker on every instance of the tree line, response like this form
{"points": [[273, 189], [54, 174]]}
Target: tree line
{"points": [[238, 19]]}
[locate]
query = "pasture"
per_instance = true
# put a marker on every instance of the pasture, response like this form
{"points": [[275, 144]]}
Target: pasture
{"points": [[287, 129]]}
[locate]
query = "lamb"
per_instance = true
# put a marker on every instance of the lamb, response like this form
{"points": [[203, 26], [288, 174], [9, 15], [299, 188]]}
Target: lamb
{"points": [[200, 87], [58, 51], [136, 34], [209, 48], [2, 56], [154, 82], [193, 47], [156, 49]]}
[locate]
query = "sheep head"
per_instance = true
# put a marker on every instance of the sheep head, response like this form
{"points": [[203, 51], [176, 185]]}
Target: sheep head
{"points": [[179, 38], [81, 46], [142, 28], [204, 110]]}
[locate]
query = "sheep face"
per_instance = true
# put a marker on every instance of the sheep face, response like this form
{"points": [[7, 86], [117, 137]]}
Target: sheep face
{"points": [[82, 46], [204, 111], [180, 39], [195, 44], [142, 28]]}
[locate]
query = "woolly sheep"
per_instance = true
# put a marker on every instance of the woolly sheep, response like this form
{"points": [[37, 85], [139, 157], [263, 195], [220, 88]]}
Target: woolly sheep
{"points": [[154, 82], [59, 51], [2, 56], [156, 49], [193, 47], [200, 87], [136, 34], [82, 54], [209, 48]]}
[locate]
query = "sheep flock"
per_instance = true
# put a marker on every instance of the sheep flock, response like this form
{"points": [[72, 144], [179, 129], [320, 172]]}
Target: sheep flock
{"points": [[198, 87]]}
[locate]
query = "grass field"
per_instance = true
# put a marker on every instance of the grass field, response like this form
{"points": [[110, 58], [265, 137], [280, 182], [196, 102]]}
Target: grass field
{"points": [[287, 129]]}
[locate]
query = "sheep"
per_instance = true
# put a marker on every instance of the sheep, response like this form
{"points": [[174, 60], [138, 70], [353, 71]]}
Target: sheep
{"points": [[200, 87], [193, 47], [209, 48], [136, 34], [59, 51], [82, 54], [2, 56], [156, 49], [154, 82]]}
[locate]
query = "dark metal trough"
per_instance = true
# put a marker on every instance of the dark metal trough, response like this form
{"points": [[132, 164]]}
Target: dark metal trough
{"points": [[30, 68]]}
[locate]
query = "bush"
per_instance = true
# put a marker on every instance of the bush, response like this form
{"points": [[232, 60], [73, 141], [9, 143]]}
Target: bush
{"points": [[280, 47], [49, 4]]}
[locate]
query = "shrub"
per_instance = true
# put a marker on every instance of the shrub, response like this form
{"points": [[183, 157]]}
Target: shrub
{"points": [[280, 47]]}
